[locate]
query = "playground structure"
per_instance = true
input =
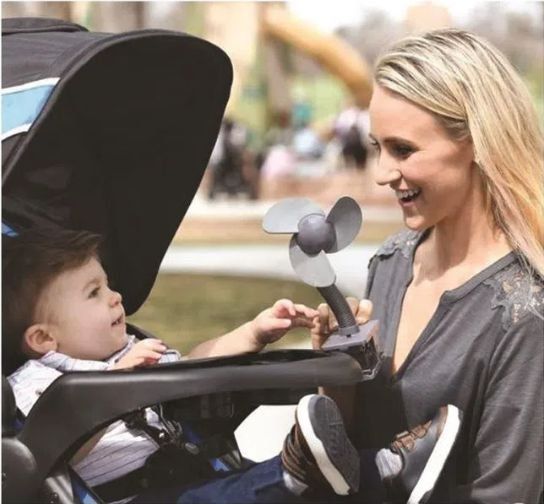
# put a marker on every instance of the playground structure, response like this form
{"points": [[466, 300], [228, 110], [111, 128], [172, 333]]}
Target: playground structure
{"points": [[258, 53], [335, 55]]}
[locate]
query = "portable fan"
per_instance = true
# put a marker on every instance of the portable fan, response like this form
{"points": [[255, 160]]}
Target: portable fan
{"points": [[314, 235]]}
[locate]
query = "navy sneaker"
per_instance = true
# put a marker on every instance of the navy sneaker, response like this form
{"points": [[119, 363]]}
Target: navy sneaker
{"points": [[424, 451], [318, 451]]}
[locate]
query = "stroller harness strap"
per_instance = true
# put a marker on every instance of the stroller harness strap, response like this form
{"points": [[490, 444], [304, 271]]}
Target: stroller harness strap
{"points": [[126, 486], [182, 457]]}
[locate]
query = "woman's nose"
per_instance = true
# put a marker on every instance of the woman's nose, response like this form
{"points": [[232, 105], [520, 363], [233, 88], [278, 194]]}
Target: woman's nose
{"points": [[387, 171]]}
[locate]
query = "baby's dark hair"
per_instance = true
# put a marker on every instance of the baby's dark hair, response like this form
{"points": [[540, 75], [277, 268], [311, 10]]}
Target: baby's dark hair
{"points": [[30, 262]]}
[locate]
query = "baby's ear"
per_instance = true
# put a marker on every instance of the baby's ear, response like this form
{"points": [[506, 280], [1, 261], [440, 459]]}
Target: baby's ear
{"points": [[37, 339]]}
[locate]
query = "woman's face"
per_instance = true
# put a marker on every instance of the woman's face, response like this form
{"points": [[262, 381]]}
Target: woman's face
{"points": [[433, 176]]}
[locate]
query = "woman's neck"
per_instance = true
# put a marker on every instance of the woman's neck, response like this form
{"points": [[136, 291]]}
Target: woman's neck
{"points": [[469, 242]]}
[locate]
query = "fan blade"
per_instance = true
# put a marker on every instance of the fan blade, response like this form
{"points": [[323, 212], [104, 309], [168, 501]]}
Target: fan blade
{"points": [[313, 270], [346, 218], [285, 215]]}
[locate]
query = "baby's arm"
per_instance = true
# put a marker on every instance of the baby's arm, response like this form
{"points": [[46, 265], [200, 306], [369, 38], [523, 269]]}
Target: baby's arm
{"points": [[269, 326]]}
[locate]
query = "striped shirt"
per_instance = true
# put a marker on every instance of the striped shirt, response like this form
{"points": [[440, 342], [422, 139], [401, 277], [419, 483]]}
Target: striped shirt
{"points": [[120, 450]]}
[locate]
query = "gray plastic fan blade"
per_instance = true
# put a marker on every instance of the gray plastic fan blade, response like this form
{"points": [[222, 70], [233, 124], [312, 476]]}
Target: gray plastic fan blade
{"points": [[285, 215], [313, 270], [346, 218]]}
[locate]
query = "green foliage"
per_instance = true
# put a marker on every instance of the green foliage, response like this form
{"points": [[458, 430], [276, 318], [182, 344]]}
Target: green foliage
{"points": [[325, 95], [185, 309]]}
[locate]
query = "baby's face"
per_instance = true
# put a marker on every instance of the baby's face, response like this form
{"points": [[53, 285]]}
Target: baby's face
{"points": [[86, 318]]}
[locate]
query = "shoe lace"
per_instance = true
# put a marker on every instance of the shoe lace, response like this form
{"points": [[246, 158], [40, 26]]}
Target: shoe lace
{"points": [[407, 439]]}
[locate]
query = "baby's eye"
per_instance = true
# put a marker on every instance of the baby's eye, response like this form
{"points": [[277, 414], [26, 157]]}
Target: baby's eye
{"points": [[94, 292]]}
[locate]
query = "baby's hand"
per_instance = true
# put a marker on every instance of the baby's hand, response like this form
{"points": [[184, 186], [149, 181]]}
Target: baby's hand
{"points": [[273, 323], [143, 353]]}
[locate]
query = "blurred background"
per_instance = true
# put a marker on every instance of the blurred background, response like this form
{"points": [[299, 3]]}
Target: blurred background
{"points": [[296, 125]]}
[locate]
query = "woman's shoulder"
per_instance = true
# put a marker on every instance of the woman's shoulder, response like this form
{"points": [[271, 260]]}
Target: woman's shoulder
{"points": [[403, 242], [519, 291]]}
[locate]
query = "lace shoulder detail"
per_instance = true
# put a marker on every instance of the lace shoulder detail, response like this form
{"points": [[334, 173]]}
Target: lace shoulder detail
{"points": [[405, 241], [518, 292]]}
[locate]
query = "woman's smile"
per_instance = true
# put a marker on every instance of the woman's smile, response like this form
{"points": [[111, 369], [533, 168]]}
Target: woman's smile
{"points": [[407, 197]]}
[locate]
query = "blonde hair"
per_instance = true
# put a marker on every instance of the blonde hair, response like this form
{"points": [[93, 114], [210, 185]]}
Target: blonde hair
{"points": [[474, 92]]}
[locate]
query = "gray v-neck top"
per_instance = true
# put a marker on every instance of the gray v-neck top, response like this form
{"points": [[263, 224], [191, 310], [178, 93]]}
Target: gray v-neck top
{"points": [[483, 351]]}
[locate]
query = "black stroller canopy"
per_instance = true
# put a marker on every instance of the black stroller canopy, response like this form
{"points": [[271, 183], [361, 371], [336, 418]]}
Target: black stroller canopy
{"points": [[110, 133]]}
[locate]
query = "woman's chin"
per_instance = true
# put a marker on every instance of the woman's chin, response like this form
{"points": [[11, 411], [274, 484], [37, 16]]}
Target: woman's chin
{"points": [[416, 222]]}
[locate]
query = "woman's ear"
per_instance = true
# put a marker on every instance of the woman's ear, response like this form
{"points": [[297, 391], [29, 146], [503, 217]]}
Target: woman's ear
{"points": [[37, 339]]}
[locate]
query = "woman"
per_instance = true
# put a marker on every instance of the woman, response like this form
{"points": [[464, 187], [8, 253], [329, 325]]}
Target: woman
{"points": [[460, 294]]}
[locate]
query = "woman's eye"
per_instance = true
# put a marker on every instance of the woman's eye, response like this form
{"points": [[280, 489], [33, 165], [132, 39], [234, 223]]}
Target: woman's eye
{"points": [[402, 151], [375, 145]]}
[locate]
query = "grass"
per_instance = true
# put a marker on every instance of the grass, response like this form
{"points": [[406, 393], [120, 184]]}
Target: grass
{"points": [[249, 232], [185, 309]]}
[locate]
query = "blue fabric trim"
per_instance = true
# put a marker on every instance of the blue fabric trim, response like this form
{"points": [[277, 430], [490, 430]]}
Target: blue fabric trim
{"points": [[7, 231], [217, 464], [20, 108], [80, 490]]}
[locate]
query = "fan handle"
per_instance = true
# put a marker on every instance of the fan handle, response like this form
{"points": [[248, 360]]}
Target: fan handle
{"points": [[360, 341], [347, 324]]}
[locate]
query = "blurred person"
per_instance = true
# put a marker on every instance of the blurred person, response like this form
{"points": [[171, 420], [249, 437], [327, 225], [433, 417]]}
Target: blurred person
{"points": [[460, 294], [306, 143], [280, 162], [280, 133], [228, 162], [350, 128]]}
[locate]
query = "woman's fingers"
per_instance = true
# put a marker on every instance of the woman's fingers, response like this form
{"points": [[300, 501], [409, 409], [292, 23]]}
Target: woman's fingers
{"points": [[326, 322], [364, 311]]}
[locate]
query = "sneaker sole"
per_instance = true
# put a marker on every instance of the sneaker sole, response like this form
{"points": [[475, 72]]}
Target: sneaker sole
{"points": [[323, 459], [439, 455]]}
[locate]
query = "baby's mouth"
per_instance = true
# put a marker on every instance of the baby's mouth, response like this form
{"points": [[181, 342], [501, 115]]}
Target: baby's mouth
{"points": [[408, 195], [117, 321]]}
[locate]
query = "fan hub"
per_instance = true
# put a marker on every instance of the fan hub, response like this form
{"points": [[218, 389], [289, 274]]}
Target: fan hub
{"points": [[315, 234]]}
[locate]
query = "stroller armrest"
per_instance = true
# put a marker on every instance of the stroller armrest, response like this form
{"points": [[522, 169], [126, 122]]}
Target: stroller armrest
{"points": [[78, 404]]}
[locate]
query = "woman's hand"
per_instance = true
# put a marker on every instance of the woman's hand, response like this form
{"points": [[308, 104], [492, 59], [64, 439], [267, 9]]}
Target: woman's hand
{"points": [[326, 324]]}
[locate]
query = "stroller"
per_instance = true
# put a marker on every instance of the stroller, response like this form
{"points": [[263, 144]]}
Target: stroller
{"points": [[112, 134]]}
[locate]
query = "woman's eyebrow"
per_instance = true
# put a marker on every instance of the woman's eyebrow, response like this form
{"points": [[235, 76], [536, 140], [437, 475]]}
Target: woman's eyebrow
{"points": [[392, 139]]}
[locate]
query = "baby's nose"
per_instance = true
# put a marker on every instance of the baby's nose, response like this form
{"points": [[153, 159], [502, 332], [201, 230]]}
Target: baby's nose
{"points": [[116, 298]]}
